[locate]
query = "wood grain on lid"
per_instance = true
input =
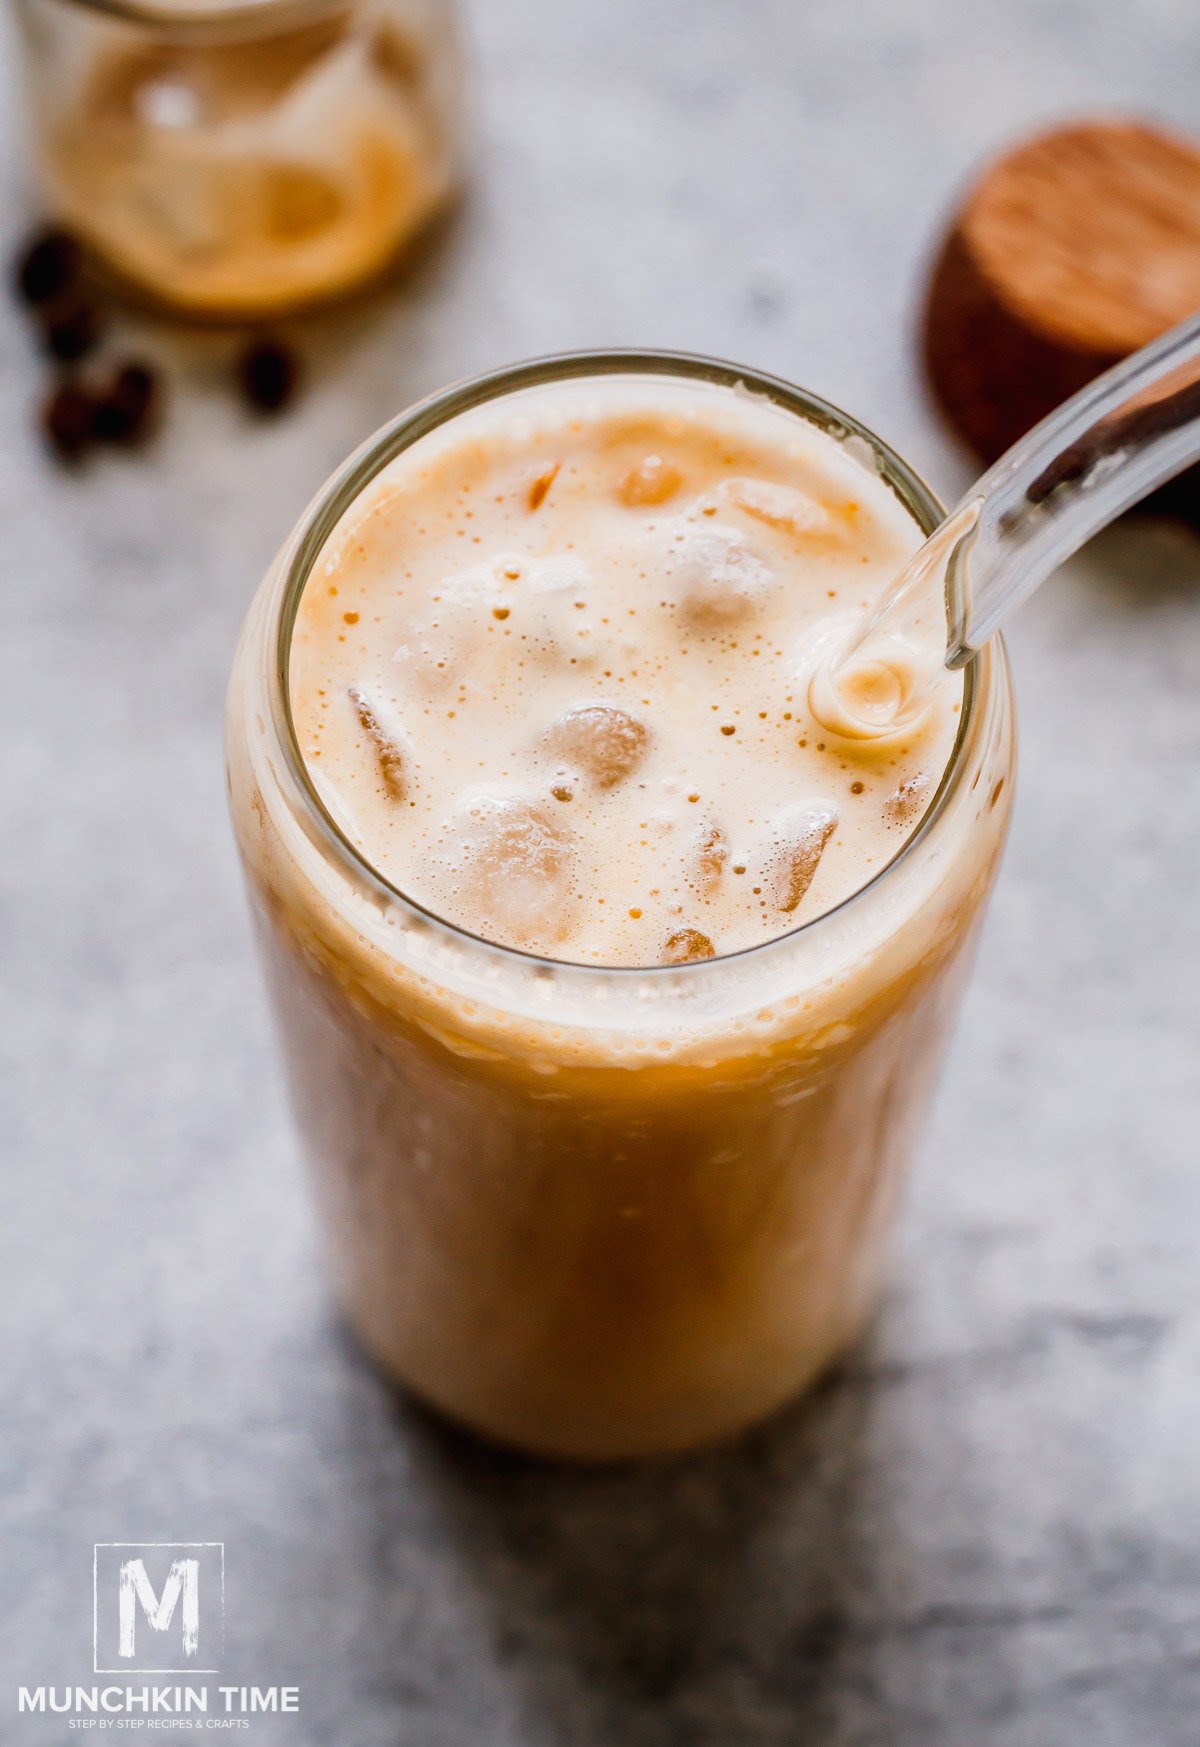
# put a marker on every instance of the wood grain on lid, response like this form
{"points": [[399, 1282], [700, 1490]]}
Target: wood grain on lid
{"points": [[1066, 254]]}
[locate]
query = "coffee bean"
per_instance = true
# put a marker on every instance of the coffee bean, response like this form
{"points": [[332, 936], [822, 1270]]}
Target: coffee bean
{"points": [[48, 266], [71, 329], [69, 420], [129, 406], [269, 374]]}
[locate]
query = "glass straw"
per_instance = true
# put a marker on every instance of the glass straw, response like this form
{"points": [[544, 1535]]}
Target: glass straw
{"points": [[1116, 440]]}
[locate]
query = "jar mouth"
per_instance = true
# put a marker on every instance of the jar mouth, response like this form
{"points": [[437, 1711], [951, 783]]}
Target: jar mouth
{"points": [[311, 535], [220, 18]]}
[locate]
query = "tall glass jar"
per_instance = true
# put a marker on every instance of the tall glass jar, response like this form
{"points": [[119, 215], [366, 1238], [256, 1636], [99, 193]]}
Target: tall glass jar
{"points": [[239, 158], [592, 1212]]}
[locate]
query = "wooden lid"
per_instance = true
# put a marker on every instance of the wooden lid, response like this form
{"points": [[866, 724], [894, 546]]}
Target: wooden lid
{"points": [[1067, 254]]}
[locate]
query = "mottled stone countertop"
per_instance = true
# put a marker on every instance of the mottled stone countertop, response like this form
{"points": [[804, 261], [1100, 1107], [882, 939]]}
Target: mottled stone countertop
{"points": [[986, 1531]]}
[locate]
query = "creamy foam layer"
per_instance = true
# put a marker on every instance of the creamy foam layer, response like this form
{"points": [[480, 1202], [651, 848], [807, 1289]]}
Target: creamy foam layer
{"points": [[550, 675]]}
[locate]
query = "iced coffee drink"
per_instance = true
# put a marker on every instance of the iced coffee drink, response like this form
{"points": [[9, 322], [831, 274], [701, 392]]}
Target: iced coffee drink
{"points": [[237, 158], [612, 982]]}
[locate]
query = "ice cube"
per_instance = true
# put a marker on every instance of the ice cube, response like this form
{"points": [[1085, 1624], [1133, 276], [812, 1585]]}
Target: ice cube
{"points": [[325, 100], [685, 946], [715, 575], [216, 85], [560, 574], [550, 610], [393, 753], [779, 506], [710, 853], [337, 119], [599, 741], [509, 864], [541, 602], [651, 482], [180, 195], [209, 172], [298, 201], [442, 639], [907, 802], [799, 837]]}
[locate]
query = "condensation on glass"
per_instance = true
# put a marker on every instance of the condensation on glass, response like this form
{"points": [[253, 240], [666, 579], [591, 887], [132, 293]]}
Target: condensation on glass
{"points": [[243, 157]]}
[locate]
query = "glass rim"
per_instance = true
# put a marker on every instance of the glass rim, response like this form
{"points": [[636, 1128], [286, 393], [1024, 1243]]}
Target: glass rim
{"points": [[367, 462], [199, 20]]}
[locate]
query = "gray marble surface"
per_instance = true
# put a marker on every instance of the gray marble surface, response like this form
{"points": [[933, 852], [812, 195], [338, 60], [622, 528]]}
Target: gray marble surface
{"points": [[986, 1532]]}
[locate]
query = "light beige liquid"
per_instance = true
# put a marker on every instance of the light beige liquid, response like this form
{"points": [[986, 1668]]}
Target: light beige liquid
{"points": [[552, 678], [249, 174], [589, 1212]]}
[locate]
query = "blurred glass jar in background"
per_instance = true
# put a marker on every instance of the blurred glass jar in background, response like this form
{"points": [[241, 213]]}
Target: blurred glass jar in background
{"points": [[240, 158]]}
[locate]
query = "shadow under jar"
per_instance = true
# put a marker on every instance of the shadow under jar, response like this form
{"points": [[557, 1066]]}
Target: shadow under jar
{"points": [[483, 1124], [243, 158]]}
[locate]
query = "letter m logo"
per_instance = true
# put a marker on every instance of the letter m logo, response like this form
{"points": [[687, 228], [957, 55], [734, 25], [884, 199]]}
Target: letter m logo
{"points": [[183, 1580], [158, 1607]]}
